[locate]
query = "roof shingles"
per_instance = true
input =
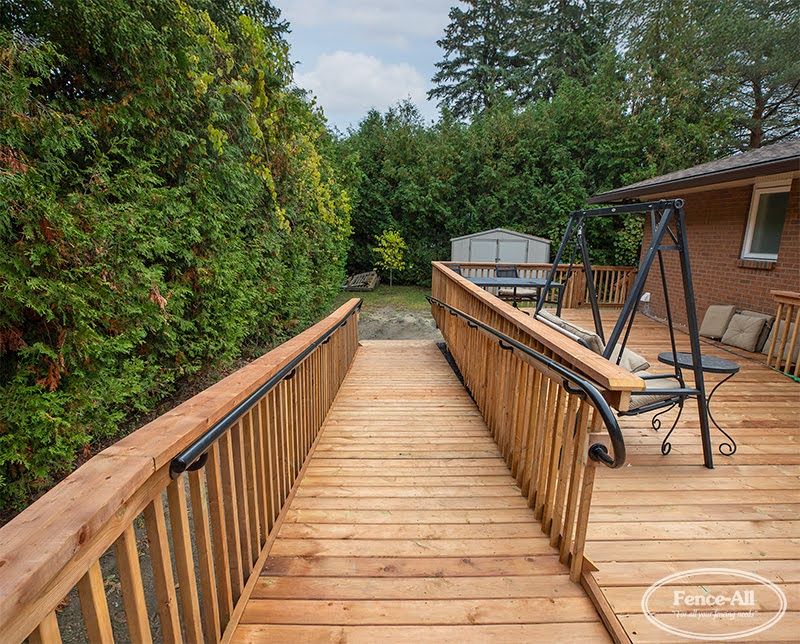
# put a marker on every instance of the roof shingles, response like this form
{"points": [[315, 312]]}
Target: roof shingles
{"points": [[771, 159]]}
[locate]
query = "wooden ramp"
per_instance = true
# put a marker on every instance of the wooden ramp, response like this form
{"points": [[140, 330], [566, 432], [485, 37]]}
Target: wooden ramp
{"points": [[407, 525]]}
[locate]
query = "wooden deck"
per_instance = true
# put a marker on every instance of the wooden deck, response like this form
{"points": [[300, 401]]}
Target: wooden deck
{"points": [[664, 514], [407, 525]]}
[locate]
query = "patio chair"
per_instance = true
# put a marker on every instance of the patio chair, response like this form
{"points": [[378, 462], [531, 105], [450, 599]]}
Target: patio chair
{"points": [[513, 294]]}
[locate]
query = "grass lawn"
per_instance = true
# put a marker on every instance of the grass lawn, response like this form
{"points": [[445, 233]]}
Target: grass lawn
{"points": [[402, 298]]}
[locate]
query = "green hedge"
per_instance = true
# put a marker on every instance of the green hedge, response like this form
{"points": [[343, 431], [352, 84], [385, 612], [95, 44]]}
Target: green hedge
{"points": [[166, 197]]}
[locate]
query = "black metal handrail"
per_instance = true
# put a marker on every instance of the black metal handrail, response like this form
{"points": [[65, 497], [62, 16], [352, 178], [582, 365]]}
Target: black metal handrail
{"points": [[597, 452], [195, 456]]}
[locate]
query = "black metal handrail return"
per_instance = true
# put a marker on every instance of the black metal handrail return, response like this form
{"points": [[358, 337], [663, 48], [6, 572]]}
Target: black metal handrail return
{"points": [[195, 456], [597, 452]]}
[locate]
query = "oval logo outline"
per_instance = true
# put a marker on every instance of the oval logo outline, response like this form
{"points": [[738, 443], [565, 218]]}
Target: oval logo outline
{"points": [[750, 576]]}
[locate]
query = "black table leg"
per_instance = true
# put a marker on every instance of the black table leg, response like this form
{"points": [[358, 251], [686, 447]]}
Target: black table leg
{"points": [[726, 449]]}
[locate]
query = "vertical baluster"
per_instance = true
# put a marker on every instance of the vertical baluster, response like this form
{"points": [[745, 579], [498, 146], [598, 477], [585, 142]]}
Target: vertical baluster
{"points": [[162, 571], [184, 562], [567, 442], [233, 525], [585, 505], [251, 478], [534, 440], [273, 447], [219, 534], [793, 342], [547, 417], [262, 486], [281, 433], [554, 430], [576, 466], [521, 413], [94, 607], [47, 631], [205, 558], [130, 577], [241, 473], [771, 353]]}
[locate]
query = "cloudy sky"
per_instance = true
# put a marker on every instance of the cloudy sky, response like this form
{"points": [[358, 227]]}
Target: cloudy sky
{"points": [[358, 54]]}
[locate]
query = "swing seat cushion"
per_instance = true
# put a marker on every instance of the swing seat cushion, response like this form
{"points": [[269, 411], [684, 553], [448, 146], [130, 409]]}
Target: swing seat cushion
{"points": [[640, 400], [743, 332], [716, 320], [592, 339], [631, 361]]}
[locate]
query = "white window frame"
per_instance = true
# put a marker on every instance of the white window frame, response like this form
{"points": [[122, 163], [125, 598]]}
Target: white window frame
{"points": [[759, 190]]}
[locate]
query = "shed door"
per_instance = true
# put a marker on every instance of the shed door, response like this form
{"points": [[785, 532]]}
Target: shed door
{"points": [[513, 251], [483, 250]]}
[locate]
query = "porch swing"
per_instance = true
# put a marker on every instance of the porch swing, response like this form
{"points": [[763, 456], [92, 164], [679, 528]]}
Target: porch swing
{"points": [[663, 391]]}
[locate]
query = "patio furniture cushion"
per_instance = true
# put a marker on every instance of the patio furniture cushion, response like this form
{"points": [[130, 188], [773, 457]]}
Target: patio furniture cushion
{"points": [[631, 361], [780, 326], [716, 320], [768, 322], [592, 339], [656, 383], [522, 293], [743, 332]]}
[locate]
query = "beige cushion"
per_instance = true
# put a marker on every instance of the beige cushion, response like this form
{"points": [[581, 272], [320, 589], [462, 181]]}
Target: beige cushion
{"points": [[591, 338], [743, 332], [631, 361], [546, 315], [780, 327], [638, 401], [522, 292], [768, 320], [716, 320]]}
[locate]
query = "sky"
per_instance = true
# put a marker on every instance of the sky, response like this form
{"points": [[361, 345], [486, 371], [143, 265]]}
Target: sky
{"points": [[355, 55]]}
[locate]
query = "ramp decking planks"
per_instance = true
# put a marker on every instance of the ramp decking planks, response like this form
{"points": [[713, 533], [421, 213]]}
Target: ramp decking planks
{"points": [[407, 525]]}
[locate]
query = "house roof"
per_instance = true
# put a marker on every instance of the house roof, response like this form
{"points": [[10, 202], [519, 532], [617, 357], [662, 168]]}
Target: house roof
{"points": [[771, 159], [503, 230]]}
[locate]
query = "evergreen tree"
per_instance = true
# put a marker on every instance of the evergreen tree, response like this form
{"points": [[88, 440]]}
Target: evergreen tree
{"points": [[561, 39], [482, 64], [752, 48]]}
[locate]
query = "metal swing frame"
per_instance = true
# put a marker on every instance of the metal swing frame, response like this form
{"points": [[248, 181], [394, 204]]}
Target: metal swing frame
{"points": [[668, 234]]}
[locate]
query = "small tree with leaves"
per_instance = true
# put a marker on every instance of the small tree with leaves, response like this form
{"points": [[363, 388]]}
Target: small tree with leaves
{"points": [[389, 250]]}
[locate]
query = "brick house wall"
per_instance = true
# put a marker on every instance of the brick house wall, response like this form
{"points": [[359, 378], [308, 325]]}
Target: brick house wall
{"points": [[716, 221]]}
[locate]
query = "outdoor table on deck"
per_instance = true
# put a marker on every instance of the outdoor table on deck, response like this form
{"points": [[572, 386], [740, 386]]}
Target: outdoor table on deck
{"points": [[537, 283], [709, 364]]}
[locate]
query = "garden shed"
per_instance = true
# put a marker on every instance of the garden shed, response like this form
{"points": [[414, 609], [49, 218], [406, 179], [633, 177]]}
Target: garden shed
{"points": [[500, 245]]}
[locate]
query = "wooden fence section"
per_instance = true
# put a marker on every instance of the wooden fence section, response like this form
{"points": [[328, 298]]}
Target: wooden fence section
{"points": [[539, 423], [220, 517], [783, 349], [612, 283]]}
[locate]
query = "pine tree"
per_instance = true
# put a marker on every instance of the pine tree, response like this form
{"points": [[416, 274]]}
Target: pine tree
{"points": [[481, 66], [561, 39], [752, 48]]}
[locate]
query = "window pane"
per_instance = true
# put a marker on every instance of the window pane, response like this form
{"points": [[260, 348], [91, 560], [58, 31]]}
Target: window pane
{"points": [[769, 223]]}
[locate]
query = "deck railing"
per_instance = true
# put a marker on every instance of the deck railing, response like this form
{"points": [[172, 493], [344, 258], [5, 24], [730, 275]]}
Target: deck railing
{"points": [[612, 283], [783, 349], [211, 525], [540, 420]]}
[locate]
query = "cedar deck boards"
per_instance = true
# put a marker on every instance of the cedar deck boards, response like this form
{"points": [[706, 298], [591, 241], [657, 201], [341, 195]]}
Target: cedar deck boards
{"points": [[665, 514], [407, 525]]}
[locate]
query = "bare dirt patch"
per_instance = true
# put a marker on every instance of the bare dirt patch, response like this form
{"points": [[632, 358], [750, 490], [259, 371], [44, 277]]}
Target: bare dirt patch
{"points": [[389, 323]]}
